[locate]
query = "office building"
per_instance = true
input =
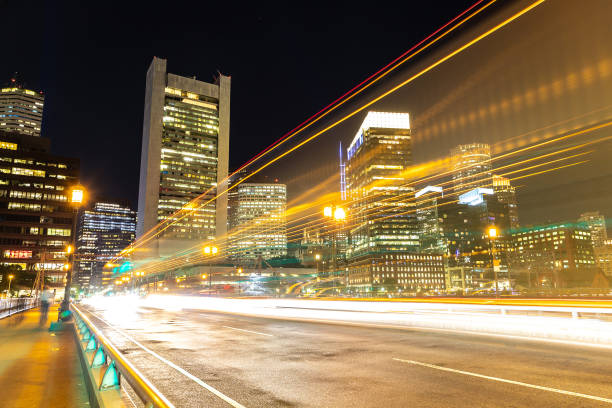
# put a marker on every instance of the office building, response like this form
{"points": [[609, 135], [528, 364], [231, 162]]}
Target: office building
{"points": [[603, 257], [381, 210], [597, 225], [259, 223], [431, 234], [556, 255], [21, 109], [36, 220], [471, 252], [103, 231], [471, 167], [185, 148], [506, 194], [397, 273]]}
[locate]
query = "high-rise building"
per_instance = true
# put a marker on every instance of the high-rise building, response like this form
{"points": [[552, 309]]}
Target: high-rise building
{"points": [[381, 208], [21, 109], [259, 227], [185, 149], [556, 255], [36, 220], [103, 231], [431, 234], [384, 240], [506, 194], [597, 226], [471, 167]]}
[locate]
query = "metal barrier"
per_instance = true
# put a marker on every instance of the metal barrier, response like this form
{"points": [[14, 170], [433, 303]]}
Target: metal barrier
{"points": [[105, 366], [11, 306]]}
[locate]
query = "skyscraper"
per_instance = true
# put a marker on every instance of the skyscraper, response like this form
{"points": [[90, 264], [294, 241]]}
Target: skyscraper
{"points": [[259, 226], [21, 109], [597, 226], [383, 254], [102, 232], [185, 149], [379, 192], [431, 234], [506, 194], [471, 167]]}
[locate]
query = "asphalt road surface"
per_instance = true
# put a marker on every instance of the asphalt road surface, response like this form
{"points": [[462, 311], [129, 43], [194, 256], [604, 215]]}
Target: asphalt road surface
{"points": [[200, 359]]}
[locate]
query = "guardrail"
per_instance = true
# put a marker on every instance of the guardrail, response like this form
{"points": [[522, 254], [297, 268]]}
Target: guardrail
{"points": [[104, 366], [11, 306]]}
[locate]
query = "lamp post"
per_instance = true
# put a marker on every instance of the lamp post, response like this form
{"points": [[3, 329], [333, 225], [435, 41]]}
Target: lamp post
{"points": [[492, 233], [76, 199], [8, 291], [338, 215], [209, 251]]}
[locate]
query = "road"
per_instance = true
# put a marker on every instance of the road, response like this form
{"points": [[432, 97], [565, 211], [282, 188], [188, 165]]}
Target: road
{"points": [[207, 359]]}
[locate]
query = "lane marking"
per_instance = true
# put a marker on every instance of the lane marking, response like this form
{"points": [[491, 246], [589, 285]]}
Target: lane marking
{"points": [[522, 384], [127, 394], [171, 364], [248, 331]]}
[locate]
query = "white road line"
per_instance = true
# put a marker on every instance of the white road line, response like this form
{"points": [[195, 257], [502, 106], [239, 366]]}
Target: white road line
{"points": [[171, 364], [522, 384], [127, 394], [248, 331]]}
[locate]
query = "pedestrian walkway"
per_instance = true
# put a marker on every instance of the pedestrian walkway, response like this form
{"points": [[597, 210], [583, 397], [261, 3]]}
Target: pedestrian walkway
{"points": [[39, 368]]}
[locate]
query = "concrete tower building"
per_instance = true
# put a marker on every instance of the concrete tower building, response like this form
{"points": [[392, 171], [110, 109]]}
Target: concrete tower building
{"points": [[185, 149], [21, 109], [471, 167]]}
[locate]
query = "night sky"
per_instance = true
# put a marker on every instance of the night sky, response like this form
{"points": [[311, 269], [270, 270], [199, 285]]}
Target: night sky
{"points": [[287, 61]]}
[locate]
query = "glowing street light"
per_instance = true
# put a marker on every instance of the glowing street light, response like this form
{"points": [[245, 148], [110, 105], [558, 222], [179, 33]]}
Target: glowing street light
{"points": [[338, 214], [10, 278], [210, 250], [76, 197], [492, 232]]}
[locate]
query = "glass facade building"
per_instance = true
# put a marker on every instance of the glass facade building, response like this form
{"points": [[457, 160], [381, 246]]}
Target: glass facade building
{"points": [[21, 110], [36, 220], [259, 222], [103, 231], [383, 254], [471, 167], [184, 155]]}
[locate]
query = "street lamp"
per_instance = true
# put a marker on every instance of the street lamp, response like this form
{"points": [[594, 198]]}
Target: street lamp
{"points": [[338, 214], [10, 278], [76, 198], [493, 233], [210, 250]]}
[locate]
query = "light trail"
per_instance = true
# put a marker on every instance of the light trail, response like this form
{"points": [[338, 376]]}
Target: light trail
{"points": [[452, 314], [393, 65], [166, 264], [178, 368]]}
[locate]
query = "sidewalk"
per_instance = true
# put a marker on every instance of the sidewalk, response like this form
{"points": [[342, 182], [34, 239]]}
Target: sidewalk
{"points": [[39, 368]]}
